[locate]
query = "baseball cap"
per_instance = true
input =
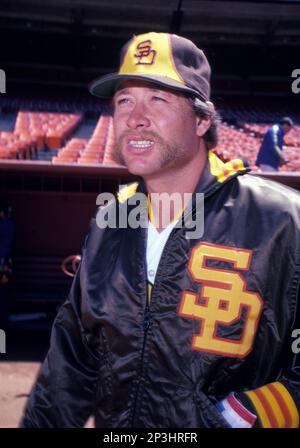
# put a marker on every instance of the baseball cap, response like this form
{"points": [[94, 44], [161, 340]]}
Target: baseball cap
{"points": [[287, 120], [164, 59]]}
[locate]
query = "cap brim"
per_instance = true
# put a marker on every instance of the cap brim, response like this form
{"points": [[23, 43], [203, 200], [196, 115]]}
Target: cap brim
{"points": [[106, 86]]}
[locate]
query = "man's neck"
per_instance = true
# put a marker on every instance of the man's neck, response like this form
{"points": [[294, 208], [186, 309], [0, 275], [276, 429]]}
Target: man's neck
{"points": [[177, 184]]}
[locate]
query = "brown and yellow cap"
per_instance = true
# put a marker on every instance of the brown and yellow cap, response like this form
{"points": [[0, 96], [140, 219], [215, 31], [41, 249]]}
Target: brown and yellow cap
{"points": [[164, 59]]}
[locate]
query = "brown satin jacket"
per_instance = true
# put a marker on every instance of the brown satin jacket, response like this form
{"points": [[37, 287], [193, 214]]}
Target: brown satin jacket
{"points": [[220, 319]]}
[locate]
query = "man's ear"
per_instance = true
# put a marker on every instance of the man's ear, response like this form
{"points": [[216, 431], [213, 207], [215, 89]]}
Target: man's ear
{"points": [[203, 124]]}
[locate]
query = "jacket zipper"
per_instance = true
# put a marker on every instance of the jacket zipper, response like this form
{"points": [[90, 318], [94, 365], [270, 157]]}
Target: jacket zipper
{"points": [[146, 325]]}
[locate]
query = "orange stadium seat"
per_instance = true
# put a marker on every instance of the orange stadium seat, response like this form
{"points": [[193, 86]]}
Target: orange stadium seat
{"points": [[5, 153], [71, 151], [95, 148]]}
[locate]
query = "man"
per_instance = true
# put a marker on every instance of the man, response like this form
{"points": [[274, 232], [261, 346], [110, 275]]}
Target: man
{"points": [[270, 155], [208, 342]]}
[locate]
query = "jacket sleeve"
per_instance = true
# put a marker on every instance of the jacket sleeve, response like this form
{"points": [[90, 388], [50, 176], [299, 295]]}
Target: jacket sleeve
{"points": [[274, 405], [66, 386]]}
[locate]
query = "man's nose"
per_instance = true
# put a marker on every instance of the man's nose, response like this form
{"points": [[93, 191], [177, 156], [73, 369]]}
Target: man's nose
{"points": [[138, 117]]}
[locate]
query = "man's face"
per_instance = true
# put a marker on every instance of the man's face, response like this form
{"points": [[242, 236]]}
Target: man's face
{"points": [[155, 128], [286, 128]]}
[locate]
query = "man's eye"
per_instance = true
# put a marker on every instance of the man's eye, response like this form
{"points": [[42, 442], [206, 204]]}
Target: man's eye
{"points": [[121, 101], [158, 98]]}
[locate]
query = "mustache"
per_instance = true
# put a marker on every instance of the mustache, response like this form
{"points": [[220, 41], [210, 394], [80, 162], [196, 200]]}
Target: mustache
{"points": [[144, 135], [117, 152]]}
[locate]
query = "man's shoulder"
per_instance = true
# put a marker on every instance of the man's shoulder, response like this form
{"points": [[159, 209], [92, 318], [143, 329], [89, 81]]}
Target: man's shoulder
{"points": [[273, 130], [269, 194], [259, 184]]}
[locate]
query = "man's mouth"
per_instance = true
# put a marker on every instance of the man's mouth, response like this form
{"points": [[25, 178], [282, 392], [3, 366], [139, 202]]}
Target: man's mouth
{"points": [[138, 146]]}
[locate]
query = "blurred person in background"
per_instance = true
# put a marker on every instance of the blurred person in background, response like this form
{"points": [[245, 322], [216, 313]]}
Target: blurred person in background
{"points": [[270, 156]]}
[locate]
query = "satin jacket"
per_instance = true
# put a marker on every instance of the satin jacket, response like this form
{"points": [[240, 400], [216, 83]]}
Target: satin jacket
{"points": [[222, 311]]}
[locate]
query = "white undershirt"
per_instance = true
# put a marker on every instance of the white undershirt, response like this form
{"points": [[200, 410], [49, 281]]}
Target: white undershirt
{"points": [[156, 242]]}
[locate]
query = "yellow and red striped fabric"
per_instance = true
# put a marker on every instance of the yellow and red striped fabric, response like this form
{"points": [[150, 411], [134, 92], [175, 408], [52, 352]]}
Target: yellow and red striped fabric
{"points": [[274, 406]]}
